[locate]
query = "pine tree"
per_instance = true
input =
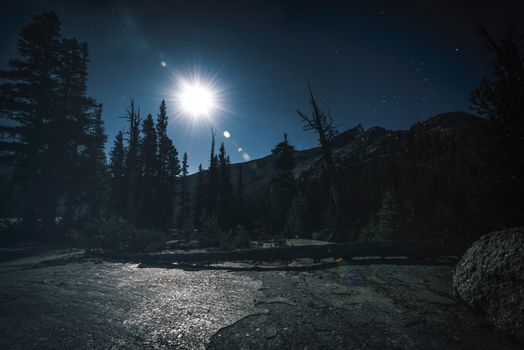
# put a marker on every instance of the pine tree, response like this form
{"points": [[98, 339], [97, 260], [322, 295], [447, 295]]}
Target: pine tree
{"points": [[44, 95], [133, 162], [29, 99], [168, 170], [148, 170], [282, 184], [70, 134], [225, 195], [184, 194], [240, 185], [97, 171], [118, 174], [174, 172], [165, 144], [198, 205], [497, 184], [239, 203], [212, 180]]}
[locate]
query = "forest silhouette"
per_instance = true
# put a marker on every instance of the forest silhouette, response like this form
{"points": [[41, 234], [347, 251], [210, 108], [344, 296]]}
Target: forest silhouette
{"points": [[454, 185]]}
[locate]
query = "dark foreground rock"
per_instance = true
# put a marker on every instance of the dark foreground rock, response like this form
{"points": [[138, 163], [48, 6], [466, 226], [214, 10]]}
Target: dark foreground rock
{"points": [[70, 303], [359, 307], [490, 279]]}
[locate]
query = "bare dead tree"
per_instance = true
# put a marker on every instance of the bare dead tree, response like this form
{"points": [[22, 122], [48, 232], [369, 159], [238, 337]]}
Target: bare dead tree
{"points": [[322, 124]]}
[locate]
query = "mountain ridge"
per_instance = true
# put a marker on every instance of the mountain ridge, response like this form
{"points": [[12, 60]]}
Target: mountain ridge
{"points": [[352, 147]]}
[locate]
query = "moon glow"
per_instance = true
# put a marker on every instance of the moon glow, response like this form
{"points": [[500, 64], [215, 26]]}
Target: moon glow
{"points": [[196, 100]]}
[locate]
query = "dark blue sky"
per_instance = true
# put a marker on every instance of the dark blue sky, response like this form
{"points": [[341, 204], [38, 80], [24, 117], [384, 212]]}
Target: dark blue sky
{"points": [[386, 63]]}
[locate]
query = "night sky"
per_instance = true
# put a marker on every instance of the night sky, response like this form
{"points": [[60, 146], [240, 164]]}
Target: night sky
{"points": [[386, 63]]}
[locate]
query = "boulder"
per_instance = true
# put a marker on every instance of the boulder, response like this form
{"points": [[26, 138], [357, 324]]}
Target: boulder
{"points": [[490, 279]]}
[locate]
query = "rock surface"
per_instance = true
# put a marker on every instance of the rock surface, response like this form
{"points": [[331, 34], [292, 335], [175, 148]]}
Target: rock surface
{"points": [[63, 301], [359, 307], [490, 279]]}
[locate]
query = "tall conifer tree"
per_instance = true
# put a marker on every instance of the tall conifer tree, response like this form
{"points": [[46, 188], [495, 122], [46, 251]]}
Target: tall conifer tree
{"points": [[212, 180], [168, 170], [184, 194], [225, 195], [148, 165], [118, 174], [97, 187], [198, 205], [283, 184], [133, 162], [44, 95]]}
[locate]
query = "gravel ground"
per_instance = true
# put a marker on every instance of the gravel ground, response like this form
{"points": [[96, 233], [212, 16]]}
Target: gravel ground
{"points": [[61, 301]]}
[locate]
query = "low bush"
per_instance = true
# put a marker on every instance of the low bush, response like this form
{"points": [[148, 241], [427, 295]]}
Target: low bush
{"points": [[209, 234], [237, 238], [116, 235]]}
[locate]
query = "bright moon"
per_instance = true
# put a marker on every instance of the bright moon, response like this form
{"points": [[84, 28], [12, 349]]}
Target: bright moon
{"points": [[197, 100]]}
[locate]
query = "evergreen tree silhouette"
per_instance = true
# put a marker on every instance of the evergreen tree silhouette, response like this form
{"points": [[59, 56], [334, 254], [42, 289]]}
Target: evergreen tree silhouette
{"points": [[72, 133], [168, 170], [212, 180], [199, 198], [499, 97], [118, 172], [133, 170], [97, 186], [146, 216], [43, 94], [283, 184], [225, 195], [184, 194], [239, 204]]}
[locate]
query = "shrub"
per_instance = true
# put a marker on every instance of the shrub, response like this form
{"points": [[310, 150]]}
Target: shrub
{"points": [[384, 224], [116, 235], [280, 239], [210, 233], [235, 239]]}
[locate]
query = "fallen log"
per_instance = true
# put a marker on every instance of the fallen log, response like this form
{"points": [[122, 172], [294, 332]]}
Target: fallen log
{"points": [[406, 248]]}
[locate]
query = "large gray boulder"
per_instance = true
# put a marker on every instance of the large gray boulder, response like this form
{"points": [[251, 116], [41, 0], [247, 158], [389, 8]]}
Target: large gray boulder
{"points": [[490, 279]]}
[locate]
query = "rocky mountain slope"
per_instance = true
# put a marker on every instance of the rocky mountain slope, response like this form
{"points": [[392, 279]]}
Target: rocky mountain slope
{"points": [[356, 146]]}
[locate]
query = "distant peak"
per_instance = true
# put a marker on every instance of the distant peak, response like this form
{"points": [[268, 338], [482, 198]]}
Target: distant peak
{"points": [[451, 121]]}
